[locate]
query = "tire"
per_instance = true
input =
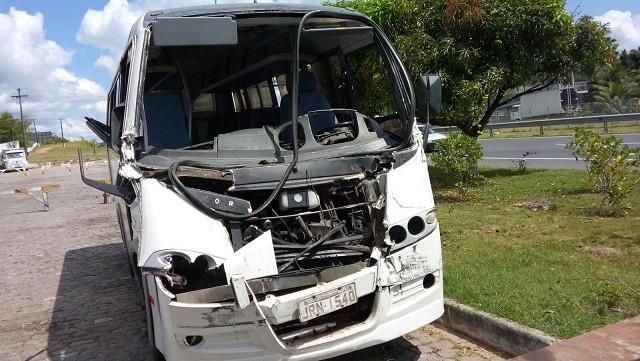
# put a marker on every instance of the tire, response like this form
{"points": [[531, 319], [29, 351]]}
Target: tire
{"points": [[157, 355]]}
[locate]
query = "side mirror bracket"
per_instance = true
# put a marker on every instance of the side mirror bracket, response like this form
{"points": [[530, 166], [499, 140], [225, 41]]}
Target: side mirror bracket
{"points": [[428, 102], [429, 97], [122, 192]]}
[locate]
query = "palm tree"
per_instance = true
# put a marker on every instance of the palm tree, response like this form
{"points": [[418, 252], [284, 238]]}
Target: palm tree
{"points": [[613, 89]]}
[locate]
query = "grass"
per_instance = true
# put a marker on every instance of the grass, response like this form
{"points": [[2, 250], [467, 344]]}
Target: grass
{"points": [[562, 130], [57, 153], [564, 271]]}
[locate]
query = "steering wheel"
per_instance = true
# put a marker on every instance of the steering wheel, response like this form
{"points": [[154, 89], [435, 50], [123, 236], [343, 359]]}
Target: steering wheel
{"points": [[336, 126]]}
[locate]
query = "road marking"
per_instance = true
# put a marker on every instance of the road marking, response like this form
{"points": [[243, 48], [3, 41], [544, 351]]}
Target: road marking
{"points": [[547, 137], [632, 143], [527, 158]]}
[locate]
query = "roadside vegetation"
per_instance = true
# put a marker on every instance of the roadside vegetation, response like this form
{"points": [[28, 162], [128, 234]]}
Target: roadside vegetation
{"points": [[612, 168], [531, 247], [457, 162], [559, 130], [61, 153], [487, 53]]}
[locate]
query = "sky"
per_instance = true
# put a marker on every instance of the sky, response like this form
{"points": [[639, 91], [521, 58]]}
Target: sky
{"points": [[62, 54]]}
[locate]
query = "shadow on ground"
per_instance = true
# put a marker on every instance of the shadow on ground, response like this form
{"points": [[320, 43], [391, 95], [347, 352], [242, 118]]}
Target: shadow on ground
{"points": [[398, 349], [97, 313]]}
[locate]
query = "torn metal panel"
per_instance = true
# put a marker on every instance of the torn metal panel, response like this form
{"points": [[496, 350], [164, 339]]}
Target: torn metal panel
{"points": [[254, 260], [258, 286], [170, 226], [130, 172], [240, 291], [138, 56], [408, 189], [266, 285]]}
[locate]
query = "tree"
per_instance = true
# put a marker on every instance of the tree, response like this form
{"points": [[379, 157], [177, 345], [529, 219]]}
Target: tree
{"points": [[91, 144], [10, 128], [630, 60], [614, 89], [484, 48], [55, 140]]}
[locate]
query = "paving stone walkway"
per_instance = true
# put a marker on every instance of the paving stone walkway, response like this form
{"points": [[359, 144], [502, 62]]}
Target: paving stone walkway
{"points": [[66, 292]]}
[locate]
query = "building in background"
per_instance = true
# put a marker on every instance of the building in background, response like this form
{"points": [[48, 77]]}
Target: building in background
{"points": [[40, 137]]}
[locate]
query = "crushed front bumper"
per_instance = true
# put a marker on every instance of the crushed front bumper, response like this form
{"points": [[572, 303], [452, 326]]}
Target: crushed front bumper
{"points": [[228, 332]]}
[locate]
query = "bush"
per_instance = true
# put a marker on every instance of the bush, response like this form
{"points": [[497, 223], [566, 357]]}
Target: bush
{"points": [[522, 164], [55, 140], [91, 144], [457, 161], [610, 168]]}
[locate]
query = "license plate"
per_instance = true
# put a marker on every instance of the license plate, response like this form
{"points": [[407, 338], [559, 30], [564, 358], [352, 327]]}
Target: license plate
{"points": [[327, 302]]}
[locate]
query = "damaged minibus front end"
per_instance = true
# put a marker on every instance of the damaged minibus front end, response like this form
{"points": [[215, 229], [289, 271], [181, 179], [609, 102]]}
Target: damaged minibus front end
{"points": [[264, 214]]}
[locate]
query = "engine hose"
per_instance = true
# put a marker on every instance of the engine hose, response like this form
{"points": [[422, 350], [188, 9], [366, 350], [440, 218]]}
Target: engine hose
{"points": [[312, 246], [281, 244]]}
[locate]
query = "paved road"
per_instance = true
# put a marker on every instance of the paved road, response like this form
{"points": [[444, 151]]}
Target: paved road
{"points": [[67, 293], [549, 152]]}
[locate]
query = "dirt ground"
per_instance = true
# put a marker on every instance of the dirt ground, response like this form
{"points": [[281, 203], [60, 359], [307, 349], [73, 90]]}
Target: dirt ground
{"points": [[67, 293]]}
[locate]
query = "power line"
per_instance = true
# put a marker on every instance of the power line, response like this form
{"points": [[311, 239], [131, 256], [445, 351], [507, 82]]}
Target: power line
{"points": [[62, 132]]}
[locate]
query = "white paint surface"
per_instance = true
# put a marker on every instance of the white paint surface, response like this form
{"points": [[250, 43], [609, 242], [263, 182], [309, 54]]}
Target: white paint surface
{"points": [[254, 260], [170, 225]]}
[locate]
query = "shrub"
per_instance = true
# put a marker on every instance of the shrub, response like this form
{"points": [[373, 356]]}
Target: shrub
{"points": [[610, 168], [522, 163], [457, 162], [91, 144], [55, 140]]}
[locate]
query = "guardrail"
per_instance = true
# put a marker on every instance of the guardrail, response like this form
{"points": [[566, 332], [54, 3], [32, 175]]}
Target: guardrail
{"points": [[604, 119]]}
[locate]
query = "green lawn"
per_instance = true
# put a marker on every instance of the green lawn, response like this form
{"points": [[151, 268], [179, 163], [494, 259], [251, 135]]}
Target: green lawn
{"points": [[57, 153], [564, 271]]}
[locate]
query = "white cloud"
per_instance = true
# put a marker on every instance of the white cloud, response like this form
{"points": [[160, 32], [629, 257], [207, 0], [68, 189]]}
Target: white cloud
{"points": [[108, 29], [37, 65], [625, 28], [99, 106], [108, 62], [23, 46]]}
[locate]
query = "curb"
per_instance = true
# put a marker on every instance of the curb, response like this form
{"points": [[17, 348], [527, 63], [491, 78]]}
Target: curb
{"points": [[495, 332]]}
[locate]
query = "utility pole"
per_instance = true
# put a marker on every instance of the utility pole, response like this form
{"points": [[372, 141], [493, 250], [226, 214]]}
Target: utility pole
{"points": [[64, 145], [24, 132], [35, 131]]}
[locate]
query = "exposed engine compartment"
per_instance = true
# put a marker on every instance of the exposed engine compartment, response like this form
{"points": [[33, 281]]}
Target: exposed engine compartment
{"points": [[312, 228]]}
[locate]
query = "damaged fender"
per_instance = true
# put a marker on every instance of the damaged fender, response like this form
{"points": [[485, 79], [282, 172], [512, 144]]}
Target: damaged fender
{"points": [[171, 226]]}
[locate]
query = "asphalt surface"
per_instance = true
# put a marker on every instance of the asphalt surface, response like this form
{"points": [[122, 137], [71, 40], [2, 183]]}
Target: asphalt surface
{"points": [[67, 293], [545, 152]]}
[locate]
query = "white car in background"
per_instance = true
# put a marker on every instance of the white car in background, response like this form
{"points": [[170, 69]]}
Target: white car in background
{"points": [[433, 138]]}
